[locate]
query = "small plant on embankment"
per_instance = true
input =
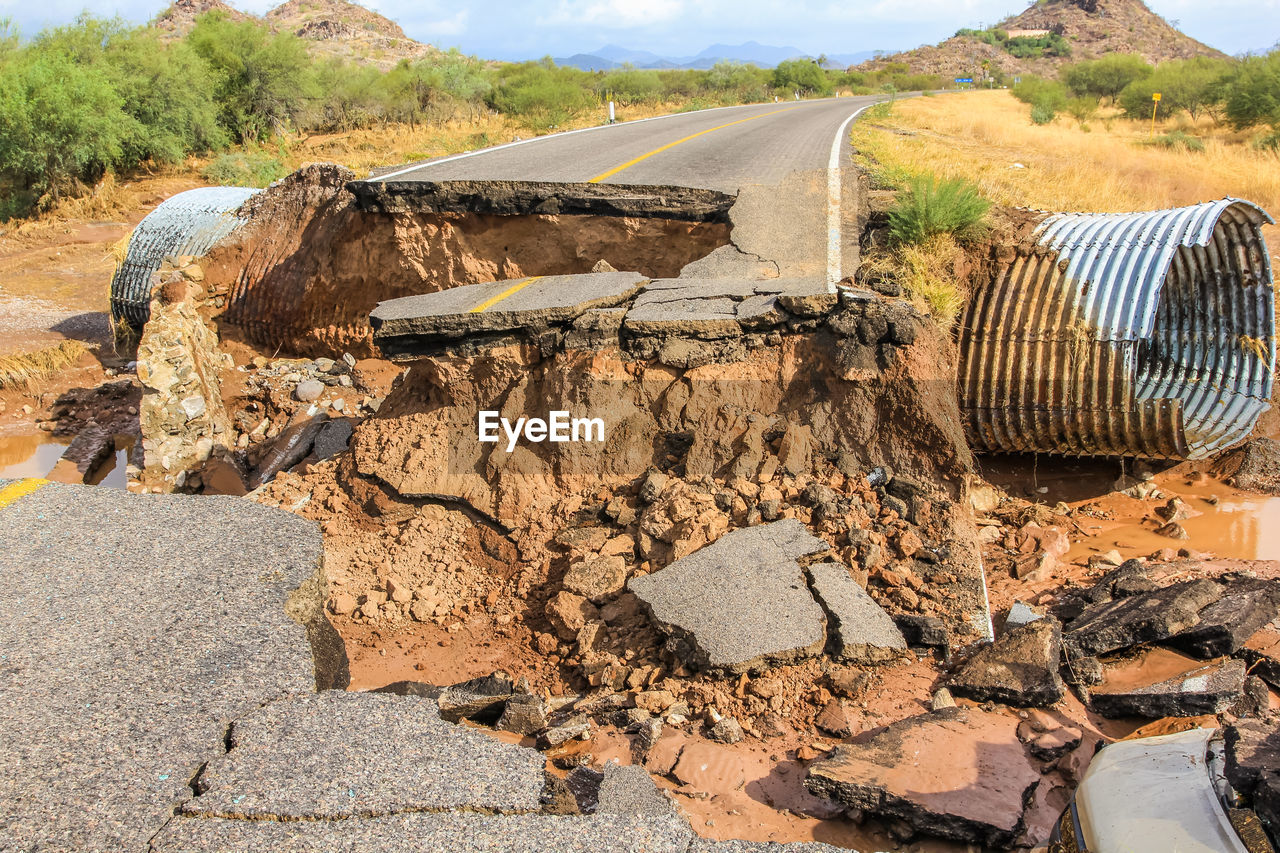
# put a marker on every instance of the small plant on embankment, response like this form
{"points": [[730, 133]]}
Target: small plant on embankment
{"points": [[928, 207], [928, 226]]}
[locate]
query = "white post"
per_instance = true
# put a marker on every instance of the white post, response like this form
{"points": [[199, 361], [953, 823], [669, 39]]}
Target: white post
{"points": [[611, 112]]}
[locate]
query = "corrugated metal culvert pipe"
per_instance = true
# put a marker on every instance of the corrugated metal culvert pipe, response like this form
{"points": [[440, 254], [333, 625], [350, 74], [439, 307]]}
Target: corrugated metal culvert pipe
{"points": [[190, 223], [1138, 334]]}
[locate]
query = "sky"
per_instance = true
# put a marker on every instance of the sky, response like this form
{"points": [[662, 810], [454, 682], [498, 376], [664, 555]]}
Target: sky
{"points": [[525, 29]]}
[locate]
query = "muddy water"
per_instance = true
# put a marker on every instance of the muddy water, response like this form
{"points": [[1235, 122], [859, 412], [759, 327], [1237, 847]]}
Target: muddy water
{"points": [[1228, 523], [35, 454]]}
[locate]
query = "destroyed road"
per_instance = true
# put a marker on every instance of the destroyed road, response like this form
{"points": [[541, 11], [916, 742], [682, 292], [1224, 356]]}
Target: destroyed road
{"points": [[719, 149]]}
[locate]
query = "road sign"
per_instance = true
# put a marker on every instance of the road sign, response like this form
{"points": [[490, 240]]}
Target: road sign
{"points": [[964, 79], [1155, 96]]}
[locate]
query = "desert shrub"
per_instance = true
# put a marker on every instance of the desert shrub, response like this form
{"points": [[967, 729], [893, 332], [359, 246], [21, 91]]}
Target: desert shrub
{"points": [[1177, 141], [244, 169], [801, 75], [1105, 77], [928, 207], [542, 94], [1268, 142], [1252, 92], [263, 80], [1193, 85], [926, 272], [1081, 109], [1034, 90], [1042, 114]]}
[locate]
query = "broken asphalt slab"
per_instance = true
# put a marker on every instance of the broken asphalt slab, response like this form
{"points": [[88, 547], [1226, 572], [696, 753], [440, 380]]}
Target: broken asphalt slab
{"points": [[741, 603], [336, 755], [861, 632], [457, 832], [1019, 668], [1144, 618], [1210, 689], [1224, 626], [497, 306], [956, 773], [136, 629]]}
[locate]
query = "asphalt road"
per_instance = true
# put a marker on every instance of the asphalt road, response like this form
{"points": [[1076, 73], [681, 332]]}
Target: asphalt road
{"points": [[718, 149]]}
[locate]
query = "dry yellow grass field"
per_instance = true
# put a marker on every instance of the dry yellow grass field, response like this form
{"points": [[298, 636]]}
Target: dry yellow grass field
{"points": [[988, 138]]}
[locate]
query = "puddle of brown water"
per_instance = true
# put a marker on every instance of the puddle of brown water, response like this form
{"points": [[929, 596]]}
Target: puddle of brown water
{"points": [[1241, 525], [35, 454]]}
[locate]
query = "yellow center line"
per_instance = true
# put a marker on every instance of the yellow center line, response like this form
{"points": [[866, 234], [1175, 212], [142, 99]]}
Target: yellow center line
{"points": [[518, 286], [20, 489], [627, 165]]}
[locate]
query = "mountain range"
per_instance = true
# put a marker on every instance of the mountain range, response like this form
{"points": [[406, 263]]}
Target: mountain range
{"points": [[764, 55]]}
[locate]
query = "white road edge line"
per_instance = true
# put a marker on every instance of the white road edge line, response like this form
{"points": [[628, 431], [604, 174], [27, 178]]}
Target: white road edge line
{"points": [[480, 151], [834, 252]]}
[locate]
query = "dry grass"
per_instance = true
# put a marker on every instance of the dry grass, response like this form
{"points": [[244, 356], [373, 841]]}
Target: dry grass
{"points": [[26, 369], [927, 272], [982, 135]]}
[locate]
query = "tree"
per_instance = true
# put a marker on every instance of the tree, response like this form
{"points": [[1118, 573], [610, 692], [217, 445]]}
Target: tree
{"points": [[1106, 77], [59, 122], [1253, 93], [801, 75], [1194, 85], [263, 80]]}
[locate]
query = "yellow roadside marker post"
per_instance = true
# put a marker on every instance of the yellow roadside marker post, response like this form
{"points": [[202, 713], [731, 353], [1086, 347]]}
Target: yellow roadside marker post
{"points": [[1155, 102]]}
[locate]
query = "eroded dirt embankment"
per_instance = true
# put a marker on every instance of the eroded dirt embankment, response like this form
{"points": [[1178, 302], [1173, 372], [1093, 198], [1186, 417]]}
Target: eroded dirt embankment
{"points": [[303, 275]]}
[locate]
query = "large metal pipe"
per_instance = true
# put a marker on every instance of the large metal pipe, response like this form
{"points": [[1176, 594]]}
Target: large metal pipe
{"points": [[1135, 334], [190, 223]]}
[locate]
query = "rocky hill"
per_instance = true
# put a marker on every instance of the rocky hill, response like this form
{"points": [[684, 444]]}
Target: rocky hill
{"points": [[349, 31], [1090, 29], [336, 28], [181, 15]]}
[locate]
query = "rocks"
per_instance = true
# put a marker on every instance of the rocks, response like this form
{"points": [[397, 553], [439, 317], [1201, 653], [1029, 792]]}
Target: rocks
{"points": [[983, 804], [1252, 750], [834, 719], [860, 630], [1019, 668], [597, 578], [1210, 689], [524, 714], [1146, 618], [178, 359], [309, 390], [574, 727], [741, 603], [726, 730], [569, 613]]}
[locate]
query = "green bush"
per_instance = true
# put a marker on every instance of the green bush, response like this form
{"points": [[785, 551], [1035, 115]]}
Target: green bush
{"points": [[1178, 141], [244, 169], [1042, 114], [803, 76], [1268, 142], [1105, 77], [1194, 85], [263, 81], [1081, 109], [1033, 90], [1252, 93], [928, 207]]}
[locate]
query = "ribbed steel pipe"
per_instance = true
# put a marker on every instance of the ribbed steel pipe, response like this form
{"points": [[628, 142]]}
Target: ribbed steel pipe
{"points": [[1132, 334], [190, 223]]}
